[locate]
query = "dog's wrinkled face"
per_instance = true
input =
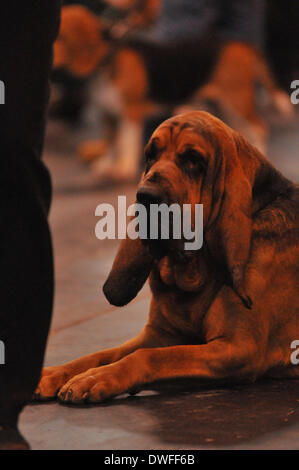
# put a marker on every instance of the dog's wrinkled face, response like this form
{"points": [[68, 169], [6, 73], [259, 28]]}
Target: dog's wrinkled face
{"points": [[195, 158], [176, 164], [176, 161]]}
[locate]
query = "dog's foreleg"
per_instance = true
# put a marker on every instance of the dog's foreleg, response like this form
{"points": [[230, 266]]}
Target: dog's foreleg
{"points": [[53, 378], [218, 360]]}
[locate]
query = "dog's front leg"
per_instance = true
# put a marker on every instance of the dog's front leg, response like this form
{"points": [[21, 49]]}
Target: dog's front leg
{"points": [[218, 360], [53, 378]]}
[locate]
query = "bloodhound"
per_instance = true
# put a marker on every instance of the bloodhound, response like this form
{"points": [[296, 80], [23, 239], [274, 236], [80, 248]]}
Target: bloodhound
{"points": [[227, 312], [146, 78]]}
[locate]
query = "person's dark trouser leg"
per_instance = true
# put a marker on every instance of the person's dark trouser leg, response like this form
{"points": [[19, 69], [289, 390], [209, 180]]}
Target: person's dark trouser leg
{"points": [[27, 32]]}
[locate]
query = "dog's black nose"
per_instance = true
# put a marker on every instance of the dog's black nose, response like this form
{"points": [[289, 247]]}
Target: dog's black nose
{"points": [[147, 195]]}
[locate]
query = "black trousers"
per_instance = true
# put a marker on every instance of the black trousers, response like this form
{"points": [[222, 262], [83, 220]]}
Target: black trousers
{"points": [[27, 32]]}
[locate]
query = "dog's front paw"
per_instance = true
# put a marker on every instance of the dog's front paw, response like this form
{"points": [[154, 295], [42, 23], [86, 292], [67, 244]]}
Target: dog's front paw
{"points": [[93, 386], [52, 379]]}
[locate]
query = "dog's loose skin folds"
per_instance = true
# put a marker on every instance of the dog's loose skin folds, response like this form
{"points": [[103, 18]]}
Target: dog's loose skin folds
{"points": [[227, 312]]}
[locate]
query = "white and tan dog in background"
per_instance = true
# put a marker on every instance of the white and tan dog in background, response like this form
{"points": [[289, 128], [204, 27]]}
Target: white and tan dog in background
{"points": [[138, 81]]}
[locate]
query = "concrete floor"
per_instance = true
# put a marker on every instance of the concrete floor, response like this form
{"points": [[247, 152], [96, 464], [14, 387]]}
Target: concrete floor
{"points": [[181, 416]]}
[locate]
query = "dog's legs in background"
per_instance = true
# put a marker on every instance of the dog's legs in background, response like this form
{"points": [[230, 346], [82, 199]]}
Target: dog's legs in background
{"points": [[129, 145], [122, 162], [130, 138], [106, 101]]}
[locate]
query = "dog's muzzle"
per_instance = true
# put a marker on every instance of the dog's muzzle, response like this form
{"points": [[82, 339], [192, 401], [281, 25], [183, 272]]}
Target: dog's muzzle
{"points": [[147, 195]]}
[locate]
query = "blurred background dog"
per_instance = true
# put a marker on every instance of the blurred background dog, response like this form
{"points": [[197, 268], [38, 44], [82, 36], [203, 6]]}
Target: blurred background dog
{"points": [[134, 63]]}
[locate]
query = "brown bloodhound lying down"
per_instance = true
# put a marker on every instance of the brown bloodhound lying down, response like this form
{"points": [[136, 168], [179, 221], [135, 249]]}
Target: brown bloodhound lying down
{"points": [[227, 312]]}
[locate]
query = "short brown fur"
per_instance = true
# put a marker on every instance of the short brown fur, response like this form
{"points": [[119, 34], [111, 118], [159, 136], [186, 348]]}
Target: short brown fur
{"points": [[200, 322]]}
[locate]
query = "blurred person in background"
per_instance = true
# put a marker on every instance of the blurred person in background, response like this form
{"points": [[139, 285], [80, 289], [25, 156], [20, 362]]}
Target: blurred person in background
{"points": [[282, 41], [97, 6], [235, 20], [27, 32]]}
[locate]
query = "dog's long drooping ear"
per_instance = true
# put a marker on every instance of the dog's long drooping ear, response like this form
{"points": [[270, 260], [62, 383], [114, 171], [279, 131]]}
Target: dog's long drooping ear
{"points": [[235, 214], [129, 272]]}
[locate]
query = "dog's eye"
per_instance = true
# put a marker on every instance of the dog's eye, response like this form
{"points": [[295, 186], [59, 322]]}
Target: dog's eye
{"points": [[193, 160], [150, 154]]}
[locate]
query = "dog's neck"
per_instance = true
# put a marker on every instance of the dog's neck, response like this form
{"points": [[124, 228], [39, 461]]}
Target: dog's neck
{"points": [[269, 184]]}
